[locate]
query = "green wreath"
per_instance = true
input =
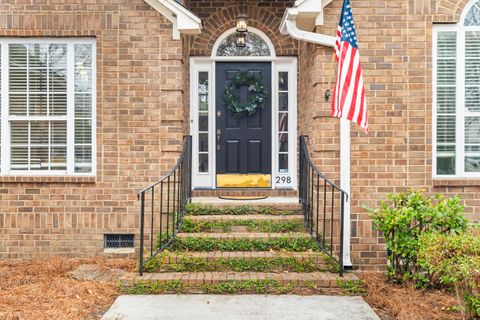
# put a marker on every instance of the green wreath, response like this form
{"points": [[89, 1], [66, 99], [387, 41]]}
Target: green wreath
{"points": [[258, 94]]}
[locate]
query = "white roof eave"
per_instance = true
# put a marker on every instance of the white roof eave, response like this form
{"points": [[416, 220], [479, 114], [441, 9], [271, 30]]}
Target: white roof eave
{"points": [[183, 20], [299, 21]]}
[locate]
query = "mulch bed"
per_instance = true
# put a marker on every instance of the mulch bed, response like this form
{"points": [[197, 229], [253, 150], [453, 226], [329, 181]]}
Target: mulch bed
{"points": [[44, 289], [47, 289], [405, 302]]}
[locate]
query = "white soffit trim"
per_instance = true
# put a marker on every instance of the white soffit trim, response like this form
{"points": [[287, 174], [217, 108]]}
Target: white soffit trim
{"points": [[308, 14], [294, 19], [184, 21]]}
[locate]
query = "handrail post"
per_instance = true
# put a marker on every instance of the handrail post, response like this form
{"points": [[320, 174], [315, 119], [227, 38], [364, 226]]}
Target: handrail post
{"points": [[190, 156], [142, 225], [342, 231]]}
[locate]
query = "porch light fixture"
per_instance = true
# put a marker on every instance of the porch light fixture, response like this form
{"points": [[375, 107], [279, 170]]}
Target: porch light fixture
{"points": [[241, 36], [241, 39], [242, 23]]}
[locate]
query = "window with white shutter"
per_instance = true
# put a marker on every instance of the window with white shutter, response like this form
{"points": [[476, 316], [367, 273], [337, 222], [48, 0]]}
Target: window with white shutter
{"points": [[47, 109], [446, 106], [457, 96]]}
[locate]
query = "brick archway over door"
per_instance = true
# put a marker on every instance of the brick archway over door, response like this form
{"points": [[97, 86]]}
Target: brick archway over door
{"points": [[450, 10], [223, 19]]}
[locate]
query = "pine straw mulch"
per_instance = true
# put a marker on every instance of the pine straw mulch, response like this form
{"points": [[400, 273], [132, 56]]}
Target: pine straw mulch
{"points": [[43, 289], [405, 302]]}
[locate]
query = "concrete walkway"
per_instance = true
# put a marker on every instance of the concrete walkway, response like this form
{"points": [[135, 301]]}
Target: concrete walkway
{"points": [[239, 307]]}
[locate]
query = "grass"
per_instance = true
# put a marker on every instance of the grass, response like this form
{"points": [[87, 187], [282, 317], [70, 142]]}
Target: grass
{"points": [[155, 287], [189, 226], [224, 287], [195, 209], [297, 244], [353, 287], [196, 264], [247, 286]]}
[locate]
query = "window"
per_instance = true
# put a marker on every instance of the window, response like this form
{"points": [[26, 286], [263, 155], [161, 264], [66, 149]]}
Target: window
{"points": [[457, 96], [256, 47], [47, 109], [283, 107], [203, 126]]}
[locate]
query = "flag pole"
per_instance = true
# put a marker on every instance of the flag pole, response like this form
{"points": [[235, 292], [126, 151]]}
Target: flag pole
{"points": [[345, 159]]}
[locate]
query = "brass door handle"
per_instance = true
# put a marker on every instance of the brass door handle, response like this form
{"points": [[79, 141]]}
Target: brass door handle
{"points": [[219, 135]]}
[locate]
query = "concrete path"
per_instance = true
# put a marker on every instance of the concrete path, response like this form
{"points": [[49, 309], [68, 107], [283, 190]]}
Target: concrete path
{"points": [[239, 307]]}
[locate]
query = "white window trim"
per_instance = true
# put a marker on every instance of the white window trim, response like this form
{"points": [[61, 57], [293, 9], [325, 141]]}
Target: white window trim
{"points": [[6, 118], [461, 113]]}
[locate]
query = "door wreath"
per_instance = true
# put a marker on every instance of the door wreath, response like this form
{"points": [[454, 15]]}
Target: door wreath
{"points": [[257, 92]]}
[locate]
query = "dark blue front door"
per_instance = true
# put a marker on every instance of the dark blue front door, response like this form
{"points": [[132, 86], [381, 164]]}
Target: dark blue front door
{"points": [[243, 144]]}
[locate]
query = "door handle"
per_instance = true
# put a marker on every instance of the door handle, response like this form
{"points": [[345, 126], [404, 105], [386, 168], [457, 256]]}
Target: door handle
{"points": [[219, 135]]}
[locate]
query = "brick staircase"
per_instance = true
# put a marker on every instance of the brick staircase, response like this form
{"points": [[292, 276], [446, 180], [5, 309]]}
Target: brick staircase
{"points": [[230, 248]]}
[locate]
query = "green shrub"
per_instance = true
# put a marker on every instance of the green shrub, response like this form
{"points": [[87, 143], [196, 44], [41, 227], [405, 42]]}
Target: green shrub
{"points": [[454, 260], [408, 216]]}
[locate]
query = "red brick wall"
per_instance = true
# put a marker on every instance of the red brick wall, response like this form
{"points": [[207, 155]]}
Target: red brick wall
{"points": [[395, 39], [140, 126], [218, 16]]}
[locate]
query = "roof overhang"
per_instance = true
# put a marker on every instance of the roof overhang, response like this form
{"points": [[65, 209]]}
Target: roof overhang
{"points": [[183, 20], [300, 21], [310, 13]]}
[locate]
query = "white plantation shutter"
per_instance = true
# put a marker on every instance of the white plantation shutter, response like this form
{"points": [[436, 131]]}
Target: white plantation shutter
{"points": [[446, 86], [457, 96], [472, 101], [43, 110], [0, 108], [83, 108]]}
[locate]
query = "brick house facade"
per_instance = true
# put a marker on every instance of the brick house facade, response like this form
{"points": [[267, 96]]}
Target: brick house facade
{"points": [[143, 107]]}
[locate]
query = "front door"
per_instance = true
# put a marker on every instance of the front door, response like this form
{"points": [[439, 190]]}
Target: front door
{"points": [[243, 144]]}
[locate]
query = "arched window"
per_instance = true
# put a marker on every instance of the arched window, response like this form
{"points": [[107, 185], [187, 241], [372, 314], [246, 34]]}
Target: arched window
{"points": [[472, 18], [257, 45], [457, 96]]}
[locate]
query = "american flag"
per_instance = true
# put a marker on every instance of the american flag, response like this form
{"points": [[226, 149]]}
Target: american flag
{"points": [[349, 95]]}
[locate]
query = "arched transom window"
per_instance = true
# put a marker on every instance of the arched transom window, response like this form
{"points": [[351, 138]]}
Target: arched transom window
{"points": [[457, 96], [256, 45], [472, 17]]}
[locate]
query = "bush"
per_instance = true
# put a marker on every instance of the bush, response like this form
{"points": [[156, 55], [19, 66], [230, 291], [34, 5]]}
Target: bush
{"points": [[454, 260], [408, 216]]}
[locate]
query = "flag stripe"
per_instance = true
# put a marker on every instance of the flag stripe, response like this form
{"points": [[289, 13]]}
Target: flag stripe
{"points": [[349, 95]]}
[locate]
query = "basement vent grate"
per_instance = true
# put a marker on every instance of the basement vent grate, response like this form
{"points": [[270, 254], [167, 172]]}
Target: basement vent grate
{"points": [[119, 241]]}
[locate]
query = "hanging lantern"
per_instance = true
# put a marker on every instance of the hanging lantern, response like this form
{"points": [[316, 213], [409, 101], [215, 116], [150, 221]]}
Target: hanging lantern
{"points": [[241, 39], [241, 36], [242, 23]]}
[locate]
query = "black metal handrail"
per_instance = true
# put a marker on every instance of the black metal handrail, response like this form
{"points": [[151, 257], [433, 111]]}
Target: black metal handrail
{"points": [[166, 201], [323, 217]]}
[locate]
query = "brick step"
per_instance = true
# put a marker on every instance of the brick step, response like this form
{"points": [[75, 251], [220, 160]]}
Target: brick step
{"points": [[275, 205], [272, 193], [244, 241], [226, 261], [254, 217], [207, 280], [243, 223], [244, 235]]}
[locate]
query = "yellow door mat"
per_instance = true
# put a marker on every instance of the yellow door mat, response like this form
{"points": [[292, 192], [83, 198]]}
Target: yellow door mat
{"points": [[243, 198], [244, 180]]}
